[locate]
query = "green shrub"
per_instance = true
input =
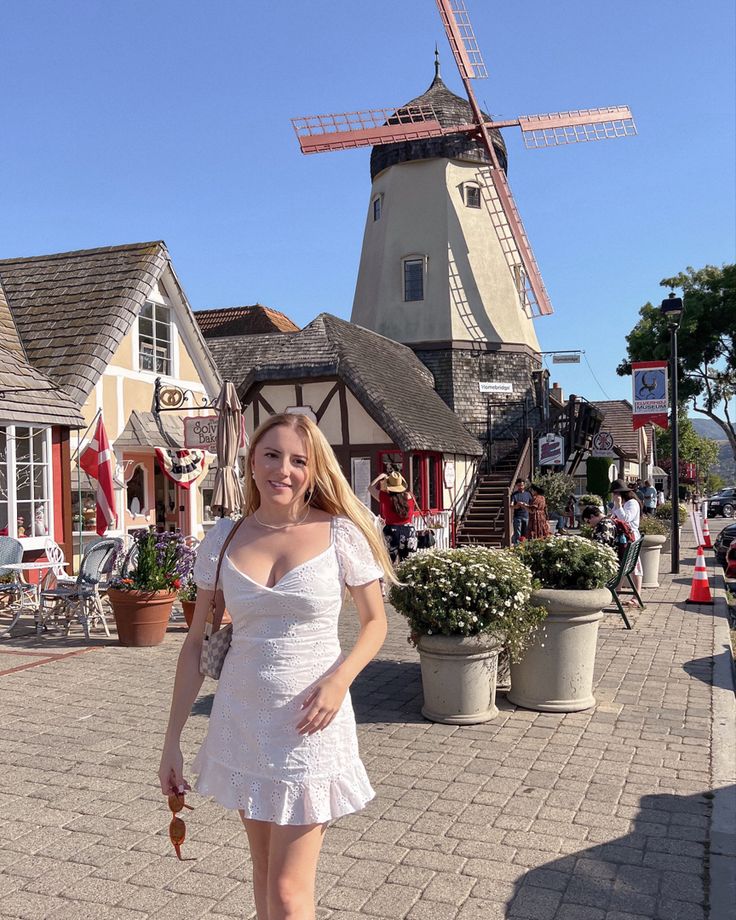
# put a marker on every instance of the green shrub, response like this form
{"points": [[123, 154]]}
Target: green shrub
{"points": [[558, 487], [467, 592], [664, 512], [653, 526], [569, 562], [591, 501]]}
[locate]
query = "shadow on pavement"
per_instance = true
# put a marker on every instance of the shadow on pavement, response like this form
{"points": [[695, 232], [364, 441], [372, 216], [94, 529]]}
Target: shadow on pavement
{"points": [[706, 668], [658, 870]]}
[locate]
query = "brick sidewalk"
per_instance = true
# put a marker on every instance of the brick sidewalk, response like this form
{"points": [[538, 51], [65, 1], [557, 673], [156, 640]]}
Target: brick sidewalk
{"points": [[600, 815]]}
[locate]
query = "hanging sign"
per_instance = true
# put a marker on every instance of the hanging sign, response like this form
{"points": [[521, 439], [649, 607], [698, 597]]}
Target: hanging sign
{"points": [[551, 450], [494, 386], [566, 357], [649, 381], [448, 474], [602, 444], [200, 432], [181, 466]]}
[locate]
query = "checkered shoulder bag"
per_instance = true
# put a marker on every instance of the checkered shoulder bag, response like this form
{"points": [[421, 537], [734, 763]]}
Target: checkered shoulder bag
{"points": [[216, 641]]}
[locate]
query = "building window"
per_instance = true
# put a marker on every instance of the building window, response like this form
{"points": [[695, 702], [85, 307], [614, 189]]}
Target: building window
{"points": [[472, 196], [426, 480], [377, 205], [413, 279], [154, 338], [25, 482]]}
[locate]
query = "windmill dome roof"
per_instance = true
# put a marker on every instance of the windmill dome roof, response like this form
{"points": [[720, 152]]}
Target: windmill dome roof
{"points": [[451, 110]]}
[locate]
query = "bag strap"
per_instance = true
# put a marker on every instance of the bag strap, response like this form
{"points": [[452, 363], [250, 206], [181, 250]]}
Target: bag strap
{"points": [[216, 612]]}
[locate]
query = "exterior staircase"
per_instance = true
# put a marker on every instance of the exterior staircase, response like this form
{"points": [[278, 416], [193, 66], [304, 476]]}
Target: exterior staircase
{"points": [[485, 520]]}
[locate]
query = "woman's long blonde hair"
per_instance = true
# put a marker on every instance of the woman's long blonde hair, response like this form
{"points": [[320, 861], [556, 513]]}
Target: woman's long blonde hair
{"points": [[329, 490]]}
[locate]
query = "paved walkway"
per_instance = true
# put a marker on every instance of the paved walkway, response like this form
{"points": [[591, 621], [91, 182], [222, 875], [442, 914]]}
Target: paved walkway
{"points": [[599, 815]]}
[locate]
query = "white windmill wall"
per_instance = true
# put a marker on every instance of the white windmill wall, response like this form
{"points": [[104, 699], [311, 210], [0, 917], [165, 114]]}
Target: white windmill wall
{"points": [[469, 293]]}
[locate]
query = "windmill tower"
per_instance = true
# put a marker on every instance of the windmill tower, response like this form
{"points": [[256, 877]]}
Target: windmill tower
{"points": [[446, 266]]}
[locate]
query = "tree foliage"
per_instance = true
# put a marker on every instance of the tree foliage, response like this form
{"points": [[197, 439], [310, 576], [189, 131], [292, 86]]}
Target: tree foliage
{"points": [[692, 448], [706, 343]]}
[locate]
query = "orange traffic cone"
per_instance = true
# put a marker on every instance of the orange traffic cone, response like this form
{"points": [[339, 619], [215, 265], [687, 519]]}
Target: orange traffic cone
{"points": [[706, 535], [699, 589]]}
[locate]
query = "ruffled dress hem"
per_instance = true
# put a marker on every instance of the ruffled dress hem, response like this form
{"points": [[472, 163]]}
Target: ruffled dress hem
{"points": [[317, 800]]}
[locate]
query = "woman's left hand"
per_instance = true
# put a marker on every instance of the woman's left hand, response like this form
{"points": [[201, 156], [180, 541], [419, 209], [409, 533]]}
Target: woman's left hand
{"points": [[322, 704]]}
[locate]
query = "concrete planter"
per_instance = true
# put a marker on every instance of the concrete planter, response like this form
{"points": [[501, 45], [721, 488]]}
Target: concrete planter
{"points": [[556, 672], [667, 546], [651, 547], [459, 678]]}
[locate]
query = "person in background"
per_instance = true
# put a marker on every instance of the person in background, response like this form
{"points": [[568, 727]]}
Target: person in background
{"points": [[397, 508], [660, 496], [604, 529], [649, 497], [537, 514], [520, 499], [627, 507]]}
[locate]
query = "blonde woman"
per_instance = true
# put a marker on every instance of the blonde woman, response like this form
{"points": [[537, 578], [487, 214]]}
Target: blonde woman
{"points": [[281, 745]]}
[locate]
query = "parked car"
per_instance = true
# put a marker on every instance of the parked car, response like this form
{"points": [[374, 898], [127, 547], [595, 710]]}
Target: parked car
{"points": [[723, 502], [723, 541]]}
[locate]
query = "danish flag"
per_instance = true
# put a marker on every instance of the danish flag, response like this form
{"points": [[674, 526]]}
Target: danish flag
{"points": [[98, 462]]}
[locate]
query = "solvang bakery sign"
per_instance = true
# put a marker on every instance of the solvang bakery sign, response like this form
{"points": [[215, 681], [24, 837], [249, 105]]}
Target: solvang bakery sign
{"points": [[200, 432]]}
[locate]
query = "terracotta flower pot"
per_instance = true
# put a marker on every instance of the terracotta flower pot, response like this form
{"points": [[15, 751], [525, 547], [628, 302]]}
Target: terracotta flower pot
{"points": [[141, 617], [188, 611]]}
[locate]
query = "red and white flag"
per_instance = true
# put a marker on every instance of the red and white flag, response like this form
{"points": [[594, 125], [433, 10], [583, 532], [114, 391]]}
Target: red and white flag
{"points": [[98, 462]]}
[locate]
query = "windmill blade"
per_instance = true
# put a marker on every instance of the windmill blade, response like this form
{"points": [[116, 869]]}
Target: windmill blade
{"points": [[317, 133], [462, 39], [578, 126], [515, 243]]}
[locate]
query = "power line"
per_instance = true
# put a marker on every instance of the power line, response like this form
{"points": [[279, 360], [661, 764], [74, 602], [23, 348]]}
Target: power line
{"points": [[594, 377]]}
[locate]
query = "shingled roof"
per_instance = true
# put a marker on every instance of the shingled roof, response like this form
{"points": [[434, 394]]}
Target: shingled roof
{"points": [[450, 110], [618, 419], [250, 320], [27, 396], [145, 429], [386, 377], [73, 309]]}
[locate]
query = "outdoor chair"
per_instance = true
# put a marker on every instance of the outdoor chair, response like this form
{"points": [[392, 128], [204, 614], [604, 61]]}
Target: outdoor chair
{"points": [[57, 573], [82, 597], [11, 553], [625, 570]]}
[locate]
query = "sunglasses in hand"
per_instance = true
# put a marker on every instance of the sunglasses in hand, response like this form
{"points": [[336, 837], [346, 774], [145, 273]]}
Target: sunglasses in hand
{"points": [[177, 828]]}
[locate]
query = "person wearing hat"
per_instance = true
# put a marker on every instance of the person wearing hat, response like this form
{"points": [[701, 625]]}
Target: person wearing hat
{"points": [[627, 507], [397, 508]]}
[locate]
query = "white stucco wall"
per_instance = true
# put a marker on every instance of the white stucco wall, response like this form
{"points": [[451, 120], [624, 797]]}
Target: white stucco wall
{"points": [[469, 293]]}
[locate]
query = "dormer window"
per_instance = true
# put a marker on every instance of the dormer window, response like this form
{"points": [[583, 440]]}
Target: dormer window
{"points": [[414, 278], [472, 196], [377, 207], [154, 338]]}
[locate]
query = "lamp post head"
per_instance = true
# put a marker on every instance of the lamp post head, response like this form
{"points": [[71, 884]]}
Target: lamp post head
{"points": [[672, 309]]}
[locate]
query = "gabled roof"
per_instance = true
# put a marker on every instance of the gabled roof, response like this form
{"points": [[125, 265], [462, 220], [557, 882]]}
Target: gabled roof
{"points": [[391, 383], [73, 309], [144, 430], [28, 397], [618, 419], [251, 320]]}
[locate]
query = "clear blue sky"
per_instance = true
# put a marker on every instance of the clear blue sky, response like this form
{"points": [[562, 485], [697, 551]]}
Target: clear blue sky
{"points": [[170, 119]]}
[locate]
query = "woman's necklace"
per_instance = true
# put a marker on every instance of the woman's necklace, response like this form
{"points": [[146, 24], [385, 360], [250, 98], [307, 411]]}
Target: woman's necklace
{"points": [[281, 526]]}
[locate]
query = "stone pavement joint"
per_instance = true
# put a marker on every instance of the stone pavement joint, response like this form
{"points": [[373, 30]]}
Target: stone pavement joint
{"points": [[623, 812]]}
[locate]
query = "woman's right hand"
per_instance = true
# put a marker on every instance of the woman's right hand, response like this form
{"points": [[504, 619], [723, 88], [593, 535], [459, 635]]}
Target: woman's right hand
{"points": [[171, 771]]}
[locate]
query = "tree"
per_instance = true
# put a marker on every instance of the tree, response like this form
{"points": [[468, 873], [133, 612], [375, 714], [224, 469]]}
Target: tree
{"points": [[706, 343], [692, 448]]}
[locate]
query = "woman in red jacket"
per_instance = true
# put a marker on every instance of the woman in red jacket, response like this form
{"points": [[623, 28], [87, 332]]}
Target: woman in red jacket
{"points": [[397, 508]]}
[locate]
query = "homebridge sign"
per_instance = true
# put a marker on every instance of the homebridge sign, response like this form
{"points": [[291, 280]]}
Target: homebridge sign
{"points": [[200, 433], [493, 386]]}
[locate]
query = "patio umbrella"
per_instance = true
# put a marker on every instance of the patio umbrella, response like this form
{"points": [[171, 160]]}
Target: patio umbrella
{"points": [[228, 492]]}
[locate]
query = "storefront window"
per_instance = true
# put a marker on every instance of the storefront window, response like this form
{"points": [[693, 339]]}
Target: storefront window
{"points": [[426, 480], [25, 481]]}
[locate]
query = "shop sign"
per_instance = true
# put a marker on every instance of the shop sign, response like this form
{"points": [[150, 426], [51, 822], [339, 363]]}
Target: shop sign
{"points": [[200, 432], [494, 386], [602, 444], [551, 450], [448, 474]]}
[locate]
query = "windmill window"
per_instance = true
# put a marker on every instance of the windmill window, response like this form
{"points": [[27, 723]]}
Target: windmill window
{"points": [[377, 207], [472, 196], [413, 279], [154, 338]]}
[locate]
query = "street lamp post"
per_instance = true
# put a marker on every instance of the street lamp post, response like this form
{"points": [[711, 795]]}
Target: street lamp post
{"points": [[672, 311]]}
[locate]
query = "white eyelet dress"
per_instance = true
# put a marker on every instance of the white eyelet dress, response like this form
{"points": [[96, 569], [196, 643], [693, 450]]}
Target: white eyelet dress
{"points": [[284, 641]]}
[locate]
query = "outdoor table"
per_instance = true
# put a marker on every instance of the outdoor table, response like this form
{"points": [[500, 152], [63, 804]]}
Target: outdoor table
{"points": [[19, 568]]}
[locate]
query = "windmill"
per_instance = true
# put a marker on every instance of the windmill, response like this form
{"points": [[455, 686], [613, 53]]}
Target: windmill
{"points": [[320, 133]]}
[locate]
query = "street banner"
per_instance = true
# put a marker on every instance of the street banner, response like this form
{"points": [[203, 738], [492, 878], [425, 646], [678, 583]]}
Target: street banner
{"points": [[649, 382], [98, 462], [551, 450], [602, 445], [181, 466]]}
